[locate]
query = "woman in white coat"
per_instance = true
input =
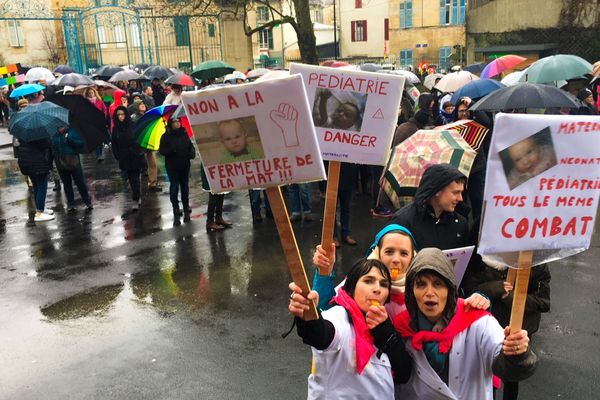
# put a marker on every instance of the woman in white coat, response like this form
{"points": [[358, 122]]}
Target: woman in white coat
{"points": [[455, 353], [354, 344]]}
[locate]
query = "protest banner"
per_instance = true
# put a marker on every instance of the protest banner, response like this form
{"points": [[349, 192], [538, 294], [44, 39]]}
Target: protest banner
{"points": [[11, 74], [541, 193], [355, 114], [259, 135], [460, 258]]}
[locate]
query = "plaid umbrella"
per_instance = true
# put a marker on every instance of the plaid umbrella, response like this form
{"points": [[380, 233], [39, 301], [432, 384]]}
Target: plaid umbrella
{"points": [[471, 131], [410, 158]]}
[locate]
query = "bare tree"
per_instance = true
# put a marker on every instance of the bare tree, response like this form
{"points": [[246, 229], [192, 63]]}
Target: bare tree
{"points": [[52, 45]]}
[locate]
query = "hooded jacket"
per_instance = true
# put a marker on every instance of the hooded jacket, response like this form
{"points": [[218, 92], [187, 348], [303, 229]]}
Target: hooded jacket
{"points": [[124, 147], [407, 129], [177, 148], [450, 230], [116, 103]]}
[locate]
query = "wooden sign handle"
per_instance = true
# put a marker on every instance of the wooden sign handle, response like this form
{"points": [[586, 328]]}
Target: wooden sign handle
{"points": [[333, 180], [511, 276], [520, 291], [290, 247]]}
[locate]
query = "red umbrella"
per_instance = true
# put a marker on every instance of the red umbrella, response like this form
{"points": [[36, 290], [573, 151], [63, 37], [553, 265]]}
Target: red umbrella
{"points": [[181, 79], [334, 64], [501, 64]]}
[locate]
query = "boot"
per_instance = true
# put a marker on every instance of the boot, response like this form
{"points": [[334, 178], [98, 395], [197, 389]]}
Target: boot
{"points": [[56, 185]]}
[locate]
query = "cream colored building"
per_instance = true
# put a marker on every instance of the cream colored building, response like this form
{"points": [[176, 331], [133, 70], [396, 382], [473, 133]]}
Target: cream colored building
{"points": [[362, 28], [432, 31]]}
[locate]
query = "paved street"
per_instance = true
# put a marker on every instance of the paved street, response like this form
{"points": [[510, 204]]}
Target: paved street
{"points": [[121, 305]]}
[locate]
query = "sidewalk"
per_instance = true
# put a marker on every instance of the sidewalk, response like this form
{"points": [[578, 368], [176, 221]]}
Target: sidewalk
{"points": [[5, 138]]}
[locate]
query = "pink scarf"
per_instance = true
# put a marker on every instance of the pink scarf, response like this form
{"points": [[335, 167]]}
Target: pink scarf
{"points": [[364, 341]]}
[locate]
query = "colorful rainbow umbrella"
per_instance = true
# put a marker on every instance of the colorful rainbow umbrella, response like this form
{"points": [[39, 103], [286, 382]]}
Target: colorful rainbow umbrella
{"points": [[501, 64], [152, 125]]}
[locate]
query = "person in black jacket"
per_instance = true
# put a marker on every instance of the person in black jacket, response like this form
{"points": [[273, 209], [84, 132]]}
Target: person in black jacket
{"points": [[432, 217], [178, 150], [129, 154], [34, 160]]}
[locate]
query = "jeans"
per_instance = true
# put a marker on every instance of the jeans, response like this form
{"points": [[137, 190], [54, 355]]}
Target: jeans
{"points": [[300, 196], [256, 201], [345, 208], [67, 178], [40, 187], [179, 178], [134, 182], [100, 151]]}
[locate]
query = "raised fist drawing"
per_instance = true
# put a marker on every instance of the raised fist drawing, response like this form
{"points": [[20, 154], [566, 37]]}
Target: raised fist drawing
{"points": [[286, 118]]}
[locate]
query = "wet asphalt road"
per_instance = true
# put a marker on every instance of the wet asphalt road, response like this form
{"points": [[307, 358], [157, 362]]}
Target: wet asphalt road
{"points": [[119, 305]]}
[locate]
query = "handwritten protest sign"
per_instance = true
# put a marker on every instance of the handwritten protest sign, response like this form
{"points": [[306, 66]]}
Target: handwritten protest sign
{"points": [[355, 112], [460, 258], [11, 74], [542, 186], [255, 135]]}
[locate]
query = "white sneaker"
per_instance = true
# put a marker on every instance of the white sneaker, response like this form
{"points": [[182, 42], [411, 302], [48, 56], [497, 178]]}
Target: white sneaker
{"points": [[48, 211], [42, 217]]}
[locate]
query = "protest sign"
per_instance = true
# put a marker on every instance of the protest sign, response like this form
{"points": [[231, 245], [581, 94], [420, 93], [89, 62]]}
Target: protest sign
{"points": [[542, 185], [255, 135], [355, 112], [460, 259], [11, 74]]}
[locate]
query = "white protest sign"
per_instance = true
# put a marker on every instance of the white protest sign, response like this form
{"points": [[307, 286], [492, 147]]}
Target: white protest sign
{"points": [[460, 258], [542, 184], [355, 112], [255, 135]]}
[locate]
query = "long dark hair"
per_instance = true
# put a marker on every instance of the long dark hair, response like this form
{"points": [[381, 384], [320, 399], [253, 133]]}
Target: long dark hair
{"points": [[126, 123], [361, 268], [411, 301]]}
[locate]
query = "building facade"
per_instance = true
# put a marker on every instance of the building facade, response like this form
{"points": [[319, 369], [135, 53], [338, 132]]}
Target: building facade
{"points": [[430, 31], [364, 29]]}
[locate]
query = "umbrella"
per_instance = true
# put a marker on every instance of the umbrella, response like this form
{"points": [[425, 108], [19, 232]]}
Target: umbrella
{"points": [[63, 69], [429, 81], [212, 69], [501, 64], [471, 131], [512, 78], [39, 74], [596, 69], [411, 158], [106, 71], [234, 76], [181, 79], [476, 68], [38, 121], [476, 89], [86, 119], [152, 125], [140, 68], [556, 68], [73, 79], [410, 77], [369, 67], [26, 89], [127, 75], [255, 73], [454, 81], [158, 72], [526, 95]]}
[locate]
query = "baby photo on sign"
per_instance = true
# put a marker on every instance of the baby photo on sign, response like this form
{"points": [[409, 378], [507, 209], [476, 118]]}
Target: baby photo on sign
{"points": [[528, 158], [339, 109], [229, 141]]}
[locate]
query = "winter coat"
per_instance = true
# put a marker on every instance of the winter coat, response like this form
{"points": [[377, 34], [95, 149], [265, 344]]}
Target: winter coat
{"points": [[173, 98], [177, 148], [34, 158], [490, 282], [116, 104], [158, 94], [450, 230], [407, 129], [124, 147], [68, 144]]}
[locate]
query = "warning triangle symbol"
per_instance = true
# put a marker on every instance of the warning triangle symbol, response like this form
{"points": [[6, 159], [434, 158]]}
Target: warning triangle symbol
{"points": [[378, 114]]}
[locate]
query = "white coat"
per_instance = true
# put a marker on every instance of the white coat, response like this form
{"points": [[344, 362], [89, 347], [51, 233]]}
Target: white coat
{"points": [[470, 370], [334, 374]]}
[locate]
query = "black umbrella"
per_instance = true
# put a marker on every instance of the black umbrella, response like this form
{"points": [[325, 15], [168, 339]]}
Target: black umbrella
{"points": [[89, 122], [156, 71], [140, 68], [63, 69], [526, 95], [475, 68], [73, 79], [106, 71]]}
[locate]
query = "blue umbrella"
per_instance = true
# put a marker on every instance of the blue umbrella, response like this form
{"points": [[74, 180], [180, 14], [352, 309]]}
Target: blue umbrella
{"points": [[27, 89], [38, 121], [477, 89]]}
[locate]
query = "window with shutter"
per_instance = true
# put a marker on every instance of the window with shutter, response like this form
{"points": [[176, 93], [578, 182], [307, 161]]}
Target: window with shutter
{"points": [[120, 36], [353, 31], [134, 35], [15, 33], [182, 31], [211, 30], [357, 3], [405, 13], [386, 29]]}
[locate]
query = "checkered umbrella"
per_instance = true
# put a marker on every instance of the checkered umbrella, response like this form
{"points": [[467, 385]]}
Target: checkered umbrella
{"points": [[410, 158], [471, 131]]}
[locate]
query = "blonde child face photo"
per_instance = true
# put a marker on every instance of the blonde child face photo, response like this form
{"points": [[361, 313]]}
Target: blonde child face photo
{"points": [[229, 141], [528, 158]]}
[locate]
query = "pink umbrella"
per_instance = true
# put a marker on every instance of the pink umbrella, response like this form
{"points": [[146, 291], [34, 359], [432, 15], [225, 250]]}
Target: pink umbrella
{"points": [[501, 64]]}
